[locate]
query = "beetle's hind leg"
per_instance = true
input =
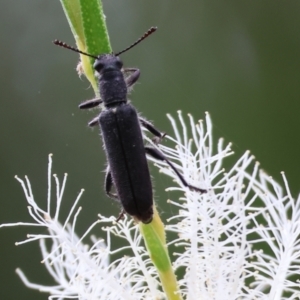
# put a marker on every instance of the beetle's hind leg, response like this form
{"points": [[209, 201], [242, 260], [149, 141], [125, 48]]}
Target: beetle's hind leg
{"points": [[121, 215], [108, 185], [156, 154]]}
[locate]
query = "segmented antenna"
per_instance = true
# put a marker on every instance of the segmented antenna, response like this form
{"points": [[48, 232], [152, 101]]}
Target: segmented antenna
{"points": [[64, 45], [146, 34]]}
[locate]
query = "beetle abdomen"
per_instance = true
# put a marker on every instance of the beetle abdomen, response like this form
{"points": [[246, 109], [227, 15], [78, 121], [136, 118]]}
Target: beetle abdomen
{"points": [[126, 156]]}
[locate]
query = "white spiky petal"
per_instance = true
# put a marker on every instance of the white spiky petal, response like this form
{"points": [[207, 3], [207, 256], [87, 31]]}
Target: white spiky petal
{"points": [[240, 240]]}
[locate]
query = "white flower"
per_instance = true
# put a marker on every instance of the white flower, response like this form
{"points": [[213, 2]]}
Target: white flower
{"points": [[83, 271], [240, 240]]}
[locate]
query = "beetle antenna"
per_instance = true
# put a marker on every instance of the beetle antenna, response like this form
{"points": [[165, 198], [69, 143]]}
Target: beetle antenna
{"points": [[64, 45], [146, 34]]}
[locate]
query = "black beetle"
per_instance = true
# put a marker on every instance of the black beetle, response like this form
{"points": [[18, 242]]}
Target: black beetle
{"points": [[121, 133]]}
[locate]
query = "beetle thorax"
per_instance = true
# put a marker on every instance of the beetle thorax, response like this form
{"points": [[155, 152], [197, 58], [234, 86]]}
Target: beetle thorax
{"points": [[112, 85]]}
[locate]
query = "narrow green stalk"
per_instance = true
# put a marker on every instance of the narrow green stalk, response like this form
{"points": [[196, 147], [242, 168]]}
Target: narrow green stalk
{"points": [[155, 240], [87, 22]]}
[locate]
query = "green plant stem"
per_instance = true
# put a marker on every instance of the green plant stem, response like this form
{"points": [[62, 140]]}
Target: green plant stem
{"points": [[87, 22], [155, 240]]}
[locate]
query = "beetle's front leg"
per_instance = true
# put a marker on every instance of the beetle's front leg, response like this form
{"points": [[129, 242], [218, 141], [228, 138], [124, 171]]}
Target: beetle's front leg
{"points": [[132, 78]]}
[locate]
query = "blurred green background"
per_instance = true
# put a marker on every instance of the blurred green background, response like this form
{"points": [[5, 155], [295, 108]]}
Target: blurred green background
{"points": [[237, 60]]}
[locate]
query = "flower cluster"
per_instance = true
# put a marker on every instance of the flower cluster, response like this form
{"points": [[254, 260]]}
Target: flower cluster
{"points": [[240, 240]]}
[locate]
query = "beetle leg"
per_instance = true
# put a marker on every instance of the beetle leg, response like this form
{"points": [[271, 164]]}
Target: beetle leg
{"points": [[155, 153], [121, 215], [90, 103], [94, 122], [108, 185], [132, 79], [149, 126]]}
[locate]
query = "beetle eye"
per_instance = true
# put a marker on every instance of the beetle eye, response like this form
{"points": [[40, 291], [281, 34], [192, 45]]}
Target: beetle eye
{"points": [[99, 66], [119, 64]]}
